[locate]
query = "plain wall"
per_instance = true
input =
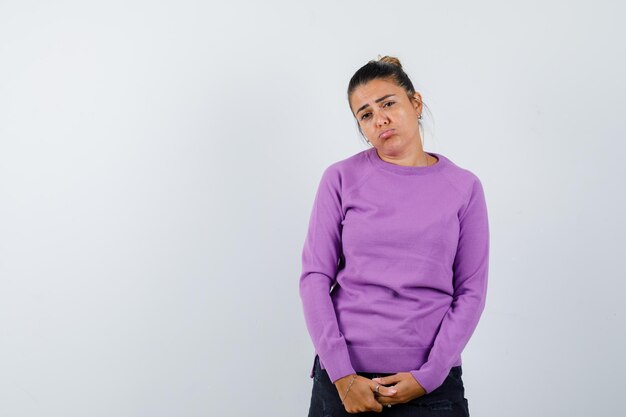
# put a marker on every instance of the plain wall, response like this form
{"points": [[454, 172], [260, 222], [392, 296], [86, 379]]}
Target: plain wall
{"points": [[159, 160]]}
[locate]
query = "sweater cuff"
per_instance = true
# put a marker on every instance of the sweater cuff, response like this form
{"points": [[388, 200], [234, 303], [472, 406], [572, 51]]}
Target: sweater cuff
{"points": [[337, 364], [430, 379]]}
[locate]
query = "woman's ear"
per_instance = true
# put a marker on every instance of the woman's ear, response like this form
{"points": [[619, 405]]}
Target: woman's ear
{"points": [[417, 103]]}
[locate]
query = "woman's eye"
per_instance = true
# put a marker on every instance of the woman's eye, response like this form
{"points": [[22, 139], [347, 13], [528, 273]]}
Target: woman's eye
{"points": [[365, 116], [391, 103]]}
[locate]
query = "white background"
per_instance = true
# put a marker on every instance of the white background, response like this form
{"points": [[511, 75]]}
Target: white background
{"points": [[158, 164]]}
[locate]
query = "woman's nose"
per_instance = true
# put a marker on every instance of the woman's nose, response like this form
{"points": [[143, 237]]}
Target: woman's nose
{"points": [[381, 119]]}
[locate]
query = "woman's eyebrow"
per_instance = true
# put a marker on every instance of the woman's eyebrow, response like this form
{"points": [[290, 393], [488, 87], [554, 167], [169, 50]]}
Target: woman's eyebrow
{"points": [[378, 100]]}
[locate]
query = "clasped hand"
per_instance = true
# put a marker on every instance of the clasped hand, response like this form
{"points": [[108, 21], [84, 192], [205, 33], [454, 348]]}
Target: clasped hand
{"points": [[363, 396]]}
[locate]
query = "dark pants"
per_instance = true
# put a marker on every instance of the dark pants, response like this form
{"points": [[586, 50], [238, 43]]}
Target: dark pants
{"points": [[447, 400]]}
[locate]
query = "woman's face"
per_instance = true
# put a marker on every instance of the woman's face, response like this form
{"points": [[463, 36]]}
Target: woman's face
{"points": [[386, 116]]}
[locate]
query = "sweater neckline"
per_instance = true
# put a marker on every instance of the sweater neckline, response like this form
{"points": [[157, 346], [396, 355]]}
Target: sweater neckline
{"points": [[403, 169]]}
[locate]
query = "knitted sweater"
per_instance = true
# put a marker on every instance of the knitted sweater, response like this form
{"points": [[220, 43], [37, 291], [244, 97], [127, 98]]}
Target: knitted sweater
{"points": [[394, 267]]}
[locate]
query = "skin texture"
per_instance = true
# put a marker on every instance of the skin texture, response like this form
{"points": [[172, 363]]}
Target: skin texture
{"points": [[397, 112], [406, 386], [361, 396], [400, 113]]}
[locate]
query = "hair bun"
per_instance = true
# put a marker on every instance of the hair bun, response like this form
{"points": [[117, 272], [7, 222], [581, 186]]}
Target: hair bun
{"points": [[390, 60]]}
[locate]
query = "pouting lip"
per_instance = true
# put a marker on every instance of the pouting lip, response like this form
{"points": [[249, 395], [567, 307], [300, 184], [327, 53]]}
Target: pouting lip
{"points": [[385, 131]]}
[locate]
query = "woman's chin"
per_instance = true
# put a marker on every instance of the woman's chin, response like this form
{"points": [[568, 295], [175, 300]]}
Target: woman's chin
{"points": [[392, 145]]}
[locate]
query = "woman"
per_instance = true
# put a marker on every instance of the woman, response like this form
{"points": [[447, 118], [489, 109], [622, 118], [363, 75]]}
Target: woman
{"points": [[394, 265]]}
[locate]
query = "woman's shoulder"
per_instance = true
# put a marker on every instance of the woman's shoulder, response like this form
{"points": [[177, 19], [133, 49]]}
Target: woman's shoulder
{"points": [[357, 161], [464, 179], [455, 169], [347, 173]]}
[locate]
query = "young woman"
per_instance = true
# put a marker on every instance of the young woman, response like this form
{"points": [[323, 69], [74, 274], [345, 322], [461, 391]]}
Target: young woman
{"points": [[394, 265]]}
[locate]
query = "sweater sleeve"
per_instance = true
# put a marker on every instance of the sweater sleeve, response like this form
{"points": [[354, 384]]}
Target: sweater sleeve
{"points": [[470, 270], [320, 258]]}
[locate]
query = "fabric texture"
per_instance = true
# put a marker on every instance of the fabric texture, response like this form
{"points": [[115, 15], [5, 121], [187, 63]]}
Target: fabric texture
{"points": [[394, 267]]}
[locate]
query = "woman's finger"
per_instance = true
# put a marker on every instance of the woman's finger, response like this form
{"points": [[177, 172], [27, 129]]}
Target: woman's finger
{"points": [[386, 401], [388, 380], [380, 389]]}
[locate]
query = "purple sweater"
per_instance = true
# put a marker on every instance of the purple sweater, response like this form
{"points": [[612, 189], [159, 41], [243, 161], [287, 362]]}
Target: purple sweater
{"points": [[394, 267]]}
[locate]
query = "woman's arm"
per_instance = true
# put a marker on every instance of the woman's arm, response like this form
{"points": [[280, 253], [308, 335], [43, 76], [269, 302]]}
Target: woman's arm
{"points": [[320, 259], [470, 269]]}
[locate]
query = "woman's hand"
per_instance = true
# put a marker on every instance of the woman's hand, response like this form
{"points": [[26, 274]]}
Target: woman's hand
{"points": [[404, 383], [361, 395]]}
